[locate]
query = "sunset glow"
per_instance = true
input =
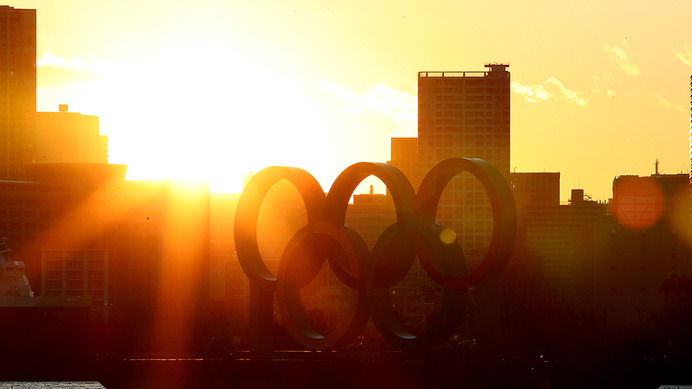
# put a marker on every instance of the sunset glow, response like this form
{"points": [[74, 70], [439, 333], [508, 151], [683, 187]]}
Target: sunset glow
{"points": [[219, 89], [268, 193]]}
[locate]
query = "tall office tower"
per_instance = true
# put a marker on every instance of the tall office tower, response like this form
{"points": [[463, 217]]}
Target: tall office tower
{"points": [[465, 114], [17, 88]]}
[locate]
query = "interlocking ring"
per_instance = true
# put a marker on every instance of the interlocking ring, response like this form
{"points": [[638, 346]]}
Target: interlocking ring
{"points": [[371, 275]]}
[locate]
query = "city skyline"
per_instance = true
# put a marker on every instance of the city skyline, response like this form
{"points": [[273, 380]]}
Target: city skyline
{"points": [[498, 274], [344, 78]]}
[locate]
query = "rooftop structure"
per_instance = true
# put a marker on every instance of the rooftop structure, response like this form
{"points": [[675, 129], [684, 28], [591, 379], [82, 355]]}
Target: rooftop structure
{"points": [[69, 137]]}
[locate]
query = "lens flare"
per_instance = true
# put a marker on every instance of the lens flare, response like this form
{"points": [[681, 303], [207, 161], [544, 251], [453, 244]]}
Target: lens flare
{"points": [[637, 201], [448, 236]]}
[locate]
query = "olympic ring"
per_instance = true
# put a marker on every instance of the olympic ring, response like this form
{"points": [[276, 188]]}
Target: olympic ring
{"points": [[370, 275]]}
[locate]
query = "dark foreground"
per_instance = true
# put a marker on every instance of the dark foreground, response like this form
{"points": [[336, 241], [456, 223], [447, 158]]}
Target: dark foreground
{"points": [[346, 369]]}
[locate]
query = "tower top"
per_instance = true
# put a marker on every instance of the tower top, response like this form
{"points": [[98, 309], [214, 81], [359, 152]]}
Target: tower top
{"points": [[497, 66]]}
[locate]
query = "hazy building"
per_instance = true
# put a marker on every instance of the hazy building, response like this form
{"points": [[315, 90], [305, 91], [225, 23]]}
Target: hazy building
{"points": [[77, 273], [228, 284], [535, 189], [370, 215], [156, 234], [465, 114], [639, 202], [404, 155], [622, 271], [69, 137], [626, 259], [547, 239], [17, 89]]}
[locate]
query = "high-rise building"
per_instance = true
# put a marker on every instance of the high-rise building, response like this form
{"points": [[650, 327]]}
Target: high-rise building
{"points": [[17, 88], [465, 114]]}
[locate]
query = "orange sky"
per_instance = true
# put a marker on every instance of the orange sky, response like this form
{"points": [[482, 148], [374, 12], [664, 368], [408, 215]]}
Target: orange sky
{"points": [[216, 89]]}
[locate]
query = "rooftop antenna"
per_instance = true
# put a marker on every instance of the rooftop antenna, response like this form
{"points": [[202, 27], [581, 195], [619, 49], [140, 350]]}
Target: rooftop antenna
{"points": [[656, 166]]}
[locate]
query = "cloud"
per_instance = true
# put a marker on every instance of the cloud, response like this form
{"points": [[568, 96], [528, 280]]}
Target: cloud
{"points": [[572, 95], [686, 55], [620, 57], [661, 100], [542, 92], [667, 104], [401, 107], [77, 64], [532, 93]]}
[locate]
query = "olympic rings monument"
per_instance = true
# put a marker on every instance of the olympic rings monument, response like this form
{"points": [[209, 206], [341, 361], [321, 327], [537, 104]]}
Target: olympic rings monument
{"points": [[369, 274]]}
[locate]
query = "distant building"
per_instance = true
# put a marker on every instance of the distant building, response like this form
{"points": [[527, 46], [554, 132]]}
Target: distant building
{"points": [[229, 286], [17, 89], [465, 114], [622, 271], [77, 273], [69, 137], [626, 259], [535, 189], [544, 260], [155, 234], [370, 215], [404, 155], [28, 137], [639, 202]]}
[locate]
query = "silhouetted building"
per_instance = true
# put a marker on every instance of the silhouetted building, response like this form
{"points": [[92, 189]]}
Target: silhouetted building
{"points": [[627, 258], [547, 239], [69, 137], [17, 89], [156, 234], [639, 202], [222, 248], [229, 286], [532, 190], [76, 274], [623, 270], [370, 215], [465, 114], [404, 155]]}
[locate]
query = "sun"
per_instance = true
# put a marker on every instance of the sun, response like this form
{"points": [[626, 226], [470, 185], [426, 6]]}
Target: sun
{"points": [[173, 118]]}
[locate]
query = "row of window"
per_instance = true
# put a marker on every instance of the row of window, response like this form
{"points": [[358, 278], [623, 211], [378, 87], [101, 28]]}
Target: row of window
{"points": [[96, 295], [74, 284]]}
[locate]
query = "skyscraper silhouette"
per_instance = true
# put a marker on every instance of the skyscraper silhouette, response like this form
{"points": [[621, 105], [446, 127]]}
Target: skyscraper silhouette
{"points": [[465, 114], [17, 88]]}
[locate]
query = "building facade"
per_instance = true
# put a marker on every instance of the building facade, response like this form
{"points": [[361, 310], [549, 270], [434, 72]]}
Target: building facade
{"points": [[77, 273], [465, 114], [404, 155], [69, 137], [17, 89], [142, 247]]}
